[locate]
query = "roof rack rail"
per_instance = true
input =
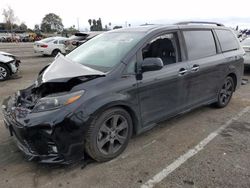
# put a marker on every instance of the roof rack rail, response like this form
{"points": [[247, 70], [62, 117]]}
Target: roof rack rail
{"points": [[199, 22]]}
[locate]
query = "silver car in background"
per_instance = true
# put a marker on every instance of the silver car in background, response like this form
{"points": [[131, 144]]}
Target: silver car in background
{"points": [[9, 65]]}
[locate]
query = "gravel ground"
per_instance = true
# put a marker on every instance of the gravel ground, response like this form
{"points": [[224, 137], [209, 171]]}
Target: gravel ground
{"points": [[224, 162]]}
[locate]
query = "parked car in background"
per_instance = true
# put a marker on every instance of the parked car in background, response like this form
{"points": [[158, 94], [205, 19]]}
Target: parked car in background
{"points": [[9, 65], [25, 37], [121, 83], [5, 37], [80, 38], [50, 46], [246, 46]]}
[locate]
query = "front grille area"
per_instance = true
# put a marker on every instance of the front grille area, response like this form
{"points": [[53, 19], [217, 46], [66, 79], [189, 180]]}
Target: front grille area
{"points": [[35, 140]]}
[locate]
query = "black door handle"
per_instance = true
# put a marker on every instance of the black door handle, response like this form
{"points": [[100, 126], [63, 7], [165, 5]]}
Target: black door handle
{"points": [[182, 71], [195, 68]]}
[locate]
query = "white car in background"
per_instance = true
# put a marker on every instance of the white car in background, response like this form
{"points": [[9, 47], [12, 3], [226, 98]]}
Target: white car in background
{"points": [[50, 46], [246, 46]]}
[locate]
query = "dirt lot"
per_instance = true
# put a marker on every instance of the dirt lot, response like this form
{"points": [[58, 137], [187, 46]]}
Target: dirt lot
{"points": [[204, 148]]}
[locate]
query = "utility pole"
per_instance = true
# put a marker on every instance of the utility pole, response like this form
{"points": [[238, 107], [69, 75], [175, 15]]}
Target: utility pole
{"points": [[78, 24]]}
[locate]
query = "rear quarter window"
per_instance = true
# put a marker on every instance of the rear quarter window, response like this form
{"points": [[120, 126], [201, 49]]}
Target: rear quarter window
{"points": [[227, 40], [61, 41], [199, 43]]}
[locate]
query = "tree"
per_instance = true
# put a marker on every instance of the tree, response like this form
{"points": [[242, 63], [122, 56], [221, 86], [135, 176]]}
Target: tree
{"points": [[106, 28], [109, 26], [99, 25], [9, 17], [90, 22], [23, 27], [70, 30], [95, 25], [51, 23], [37, 29]]}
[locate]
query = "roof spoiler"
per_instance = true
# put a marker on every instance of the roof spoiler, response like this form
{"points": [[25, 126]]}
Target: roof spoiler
{"points": [[199, 22]]}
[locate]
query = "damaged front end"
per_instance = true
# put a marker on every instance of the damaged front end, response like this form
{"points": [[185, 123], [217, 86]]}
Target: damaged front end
{"points": [[43, 119], [42, 130]]}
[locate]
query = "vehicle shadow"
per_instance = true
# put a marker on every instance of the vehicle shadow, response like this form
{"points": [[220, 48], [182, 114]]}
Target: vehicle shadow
{"points": [[14, 165]]}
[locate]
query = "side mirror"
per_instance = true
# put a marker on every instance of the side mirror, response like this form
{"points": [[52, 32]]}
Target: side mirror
{"points": [[151, 64]]}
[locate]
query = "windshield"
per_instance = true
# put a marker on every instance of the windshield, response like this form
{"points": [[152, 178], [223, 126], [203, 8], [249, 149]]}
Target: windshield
{"points": [[105, 51], [246, 42]]}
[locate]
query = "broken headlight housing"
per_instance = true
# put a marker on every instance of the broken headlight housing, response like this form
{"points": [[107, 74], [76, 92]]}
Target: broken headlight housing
{"points": [[56, 101]]}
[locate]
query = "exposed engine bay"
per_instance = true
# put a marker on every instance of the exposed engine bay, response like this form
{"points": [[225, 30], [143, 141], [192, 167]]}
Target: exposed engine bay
{"points": [[27, 98]]}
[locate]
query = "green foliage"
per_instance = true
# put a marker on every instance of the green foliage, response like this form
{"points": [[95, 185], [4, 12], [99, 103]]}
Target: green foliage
{"points": [[23, 27], [95, 25], [37, 27], [51, 23], [69, 31]]}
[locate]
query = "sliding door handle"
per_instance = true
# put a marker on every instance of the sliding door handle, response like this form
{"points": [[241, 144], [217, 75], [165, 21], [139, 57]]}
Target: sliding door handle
{"points": [[182, 71], [195, 68]]}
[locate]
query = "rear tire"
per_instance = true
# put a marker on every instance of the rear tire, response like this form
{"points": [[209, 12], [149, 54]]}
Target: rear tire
{"points": [[4, 72], [108, 134], [226, 92], [55, 52]]}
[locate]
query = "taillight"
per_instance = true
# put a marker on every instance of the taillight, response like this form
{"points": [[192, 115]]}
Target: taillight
{"points": [[44, 46]]}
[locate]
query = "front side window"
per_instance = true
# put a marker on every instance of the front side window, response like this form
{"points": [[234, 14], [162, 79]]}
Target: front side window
{"points": [[227, 40], [164, 47], [199, 43], [106, 50]]}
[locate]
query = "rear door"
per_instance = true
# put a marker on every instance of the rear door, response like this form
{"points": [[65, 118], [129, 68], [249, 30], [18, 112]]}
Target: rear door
{"points": [[206, 65], [232, 52]]}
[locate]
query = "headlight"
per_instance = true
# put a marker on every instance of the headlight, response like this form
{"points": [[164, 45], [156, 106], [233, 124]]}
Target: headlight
{"points": [[53, 102]]}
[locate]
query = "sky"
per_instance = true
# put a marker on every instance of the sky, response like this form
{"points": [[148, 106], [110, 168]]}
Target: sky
{"points": [[132, 12]]}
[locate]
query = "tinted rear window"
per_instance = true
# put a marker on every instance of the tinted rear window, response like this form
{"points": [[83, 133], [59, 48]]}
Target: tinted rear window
{"points": [[227, 40], [47, 40], [199, 44]]}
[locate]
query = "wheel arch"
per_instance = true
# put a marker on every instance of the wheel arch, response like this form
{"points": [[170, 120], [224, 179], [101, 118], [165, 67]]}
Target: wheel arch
{"points": [[234, 77], [56, 49], [123, 105]]}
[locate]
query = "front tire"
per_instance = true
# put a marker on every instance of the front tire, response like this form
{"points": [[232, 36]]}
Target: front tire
{"points": [[108, 134], [226, 92], [4, 72]]}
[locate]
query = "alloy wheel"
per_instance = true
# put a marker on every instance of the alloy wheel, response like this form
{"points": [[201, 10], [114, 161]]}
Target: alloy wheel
{"points": [[226, 91], [112, 134], [3, 73]]}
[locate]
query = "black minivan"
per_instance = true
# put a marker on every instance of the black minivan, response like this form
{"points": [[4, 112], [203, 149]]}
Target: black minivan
{"points": [[121, 83]]}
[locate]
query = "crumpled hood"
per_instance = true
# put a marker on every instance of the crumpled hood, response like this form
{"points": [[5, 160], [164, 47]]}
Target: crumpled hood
{"points": [[5, 59], [63, 68], [5, 53]]}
